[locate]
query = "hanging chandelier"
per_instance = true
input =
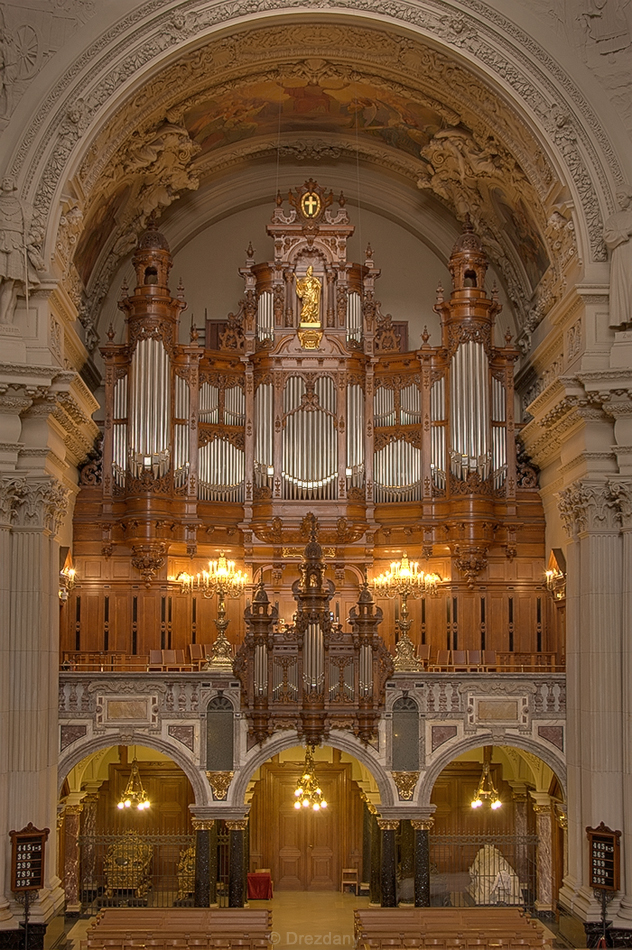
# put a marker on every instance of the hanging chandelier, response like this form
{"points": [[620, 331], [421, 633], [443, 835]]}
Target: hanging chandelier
{"points": [[308, 794], [486, 790], [222, 578], [134, 795], [406, 580]]}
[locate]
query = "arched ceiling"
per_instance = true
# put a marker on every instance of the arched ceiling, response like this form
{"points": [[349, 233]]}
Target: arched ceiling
{"points": [[313, 90]]}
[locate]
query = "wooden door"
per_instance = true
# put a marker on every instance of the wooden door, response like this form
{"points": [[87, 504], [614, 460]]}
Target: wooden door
{"points": [[305, 850]]}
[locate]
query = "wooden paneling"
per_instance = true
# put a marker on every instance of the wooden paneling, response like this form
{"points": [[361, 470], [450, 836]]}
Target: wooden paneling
{"points": [[168, 790], [303, 849]]}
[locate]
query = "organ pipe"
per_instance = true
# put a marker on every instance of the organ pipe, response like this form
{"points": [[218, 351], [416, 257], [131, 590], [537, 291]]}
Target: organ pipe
{"points": [[149, 421], [469, 411], [397, 472]]}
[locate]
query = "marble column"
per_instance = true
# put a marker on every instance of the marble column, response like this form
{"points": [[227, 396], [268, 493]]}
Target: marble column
{"points": [[421, 829], [594, 679], [212, 863], [202, 828], [406, 862], [72, 820], [388, 827], [376, 858], [236, 868], [544, 851]]}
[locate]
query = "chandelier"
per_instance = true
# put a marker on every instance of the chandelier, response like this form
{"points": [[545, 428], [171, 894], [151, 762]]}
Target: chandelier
{"points": [[223, 579], [134, 795], [404, 580], [308, 794], [486, 789]]}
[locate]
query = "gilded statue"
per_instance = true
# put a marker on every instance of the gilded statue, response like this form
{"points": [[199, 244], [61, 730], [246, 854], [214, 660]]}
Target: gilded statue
{"points": [[308, 290]]}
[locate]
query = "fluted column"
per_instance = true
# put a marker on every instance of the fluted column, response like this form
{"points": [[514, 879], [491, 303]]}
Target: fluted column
{"points": [[388, 827], [72, 821], [622, 492], [544, 851], [236, 869], [33, 643], [593, 677], [422, 828]]}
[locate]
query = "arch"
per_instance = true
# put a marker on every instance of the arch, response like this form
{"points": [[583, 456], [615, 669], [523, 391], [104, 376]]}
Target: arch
{"points": [[346, 742], [428, 778], [84, 747]]}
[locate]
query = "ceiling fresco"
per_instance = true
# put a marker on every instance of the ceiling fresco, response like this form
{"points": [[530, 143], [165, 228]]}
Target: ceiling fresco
{"points": [[384, 100], [331, 107]]}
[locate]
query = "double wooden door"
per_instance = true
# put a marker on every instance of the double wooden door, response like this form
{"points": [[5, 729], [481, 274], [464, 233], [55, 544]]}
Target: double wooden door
{"points": [[305, 850]]}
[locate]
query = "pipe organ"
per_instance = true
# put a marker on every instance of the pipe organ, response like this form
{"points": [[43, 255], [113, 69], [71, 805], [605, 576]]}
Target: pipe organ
{"points": [[308, 404]]}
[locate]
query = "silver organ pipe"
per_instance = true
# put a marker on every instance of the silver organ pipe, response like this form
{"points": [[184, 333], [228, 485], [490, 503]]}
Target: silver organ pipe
{"points": [[354, 317], [285, 678], [221, 470], [397, 472], [366, 670], [310, 441], [469, 411], [181, 432], [149, 422], [119, 433], [264, 434], [437, 432], [209, 404], [313, 658], [499, 432], [261, 669], [341, 678], [410, 405], [265, 316], [355, 435], [384, 406], [234, 406]]}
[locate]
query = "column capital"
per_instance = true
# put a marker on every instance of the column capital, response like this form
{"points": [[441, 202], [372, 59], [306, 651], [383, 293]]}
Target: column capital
{"points": [[422, 824], [388, 824], [621, 492], [38, 503], [237, 824], [588, 506], [202, 824]]}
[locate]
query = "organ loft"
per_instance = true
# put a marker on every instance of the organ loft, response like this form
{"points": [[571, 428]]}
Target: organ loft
{"points": [[304, 416]]}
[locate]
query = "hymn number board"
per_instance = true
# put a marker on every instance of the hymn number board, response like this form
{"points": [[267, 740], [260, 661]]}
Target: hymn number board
{"points": [[604, 857], [27, 858]]}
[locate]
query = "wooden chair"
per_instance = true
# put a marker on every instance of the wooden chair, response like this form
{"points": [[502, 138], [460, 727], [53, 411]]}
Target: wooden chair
{"points": [[155, 661], [197, 655], [349, 879], [474, 659], [489, 660], [423, 652], [458, 660], [442, 661]]}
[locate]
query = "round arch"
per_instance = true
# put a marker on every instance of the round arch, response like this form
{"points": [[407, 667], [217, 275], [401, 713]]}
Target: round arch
{"points": [[84, 747], [286, 740], [428, 778]]}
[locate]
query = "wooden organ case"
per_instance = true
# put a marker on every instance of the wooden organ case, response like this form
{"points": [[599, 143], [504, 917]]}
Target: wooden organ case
{"points": [[308, 417]]}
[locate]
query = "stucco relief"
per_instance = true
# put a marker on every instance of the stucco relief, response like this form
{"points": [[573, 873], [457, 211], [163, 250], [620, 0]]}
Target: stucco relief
{"points": [[29, 36]]}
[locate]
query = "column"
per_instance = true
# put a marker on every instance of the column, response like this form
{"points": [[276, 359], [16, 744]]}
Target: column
{"points": [[33, 642], [376, 859], [236, 867], [544, 851], [422, 828], [388, 880], [212, 863], [593, 678], [202, 828], [623, 491], [72, 819], [406, 862]]}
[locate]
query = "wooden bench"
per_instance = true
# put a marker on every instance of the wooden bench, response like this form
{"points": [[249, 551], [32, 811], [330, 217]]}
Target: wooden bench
{"points": [[180, 927], [388, 928]]}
